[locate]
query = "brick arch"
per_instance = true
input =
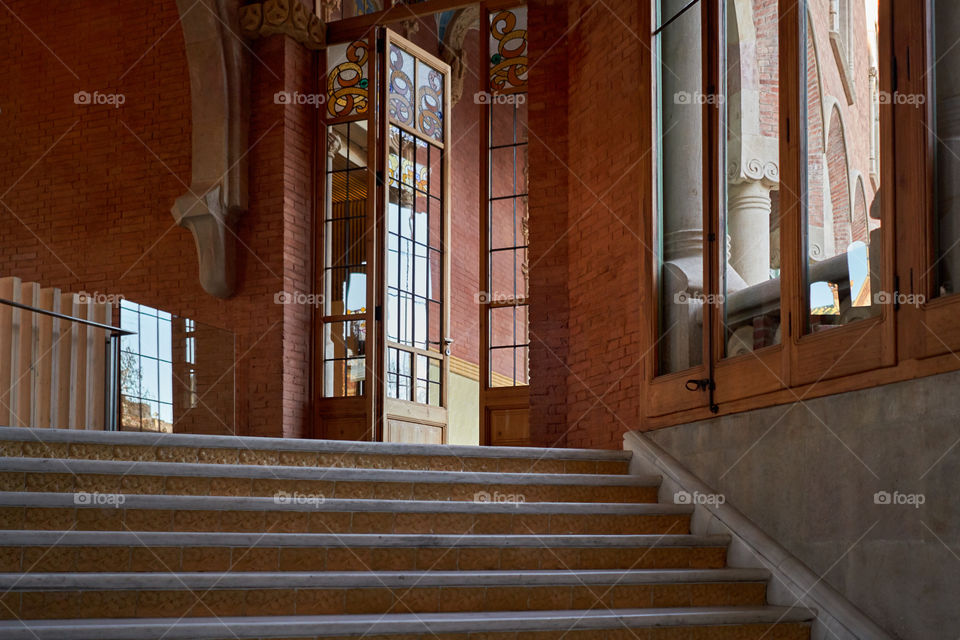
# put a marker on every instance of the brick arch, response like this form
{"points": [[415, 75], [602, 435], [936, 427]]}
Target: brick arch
{"points": [[861, 225], [838, 173], [815, 144]]}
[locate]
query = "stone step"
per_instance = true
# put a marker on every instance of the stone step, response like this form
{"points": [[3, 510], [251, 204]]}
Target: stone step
{"points": [[691, 623], [118, 512], [170, 447], [118, 551], [128, 595], [174, 478]]}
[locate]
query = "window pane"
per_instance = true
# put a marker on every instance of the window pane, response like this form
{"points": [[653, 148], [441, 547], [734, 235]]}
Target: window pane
{"points": [[348, 79], [946, 21], [750, 267], [842, 228], [679, 163]]}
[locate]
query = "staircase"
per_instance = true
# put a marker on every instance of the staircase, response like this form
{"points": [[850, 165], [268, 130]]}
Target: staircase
{"points": [[128, 536]]}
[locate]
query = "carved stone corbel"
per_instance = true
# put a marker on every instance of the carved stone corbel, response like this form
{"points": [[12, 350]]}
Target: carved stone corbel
{"points": [[217, 196], [290, 17], [452, 51]]}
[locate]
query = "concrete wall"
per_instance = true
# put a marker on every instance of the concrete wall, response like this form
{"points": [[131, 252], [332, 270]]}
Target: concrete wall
{"points": [[807, 473]]}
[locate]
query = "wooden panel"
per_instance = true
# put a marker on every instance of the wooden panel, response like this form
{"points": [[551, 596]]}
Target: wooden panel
{"points": [[9, 290], [509, 427], [413, 432], [46, 392], [26, 356]]}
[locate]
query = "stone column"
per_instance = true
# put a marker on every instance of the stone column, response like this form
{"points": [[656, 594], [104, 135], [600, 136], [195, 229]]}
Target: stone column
{"points": [[748, 212], [681, 192]]}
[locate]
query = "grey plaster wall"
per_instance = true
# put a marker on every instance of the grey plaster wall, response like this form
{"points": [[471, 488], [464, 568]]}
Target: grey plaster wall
{"points": [[808, 474]]}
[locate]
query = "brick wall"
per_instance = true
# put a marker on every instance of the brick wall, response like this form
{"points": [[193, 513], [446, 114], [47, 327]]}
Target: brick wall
{"points": [[88, 189]]}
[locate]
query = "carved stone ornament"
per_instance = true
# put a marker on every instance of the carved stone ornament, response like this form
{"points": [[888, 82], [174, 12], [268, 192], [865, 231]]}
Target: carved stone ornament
{"points": [[290, 17], [219, 100], [452, 51]]}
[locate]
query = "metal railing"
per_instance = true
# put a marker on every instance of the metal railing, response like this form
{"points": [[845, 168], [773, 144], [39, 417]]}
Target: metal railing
{"points": [[111, 383]]}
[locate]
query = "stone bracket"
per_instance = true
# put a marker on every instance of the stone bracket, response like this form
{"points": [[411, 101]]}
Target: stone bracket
{"points": [[219, 98]]}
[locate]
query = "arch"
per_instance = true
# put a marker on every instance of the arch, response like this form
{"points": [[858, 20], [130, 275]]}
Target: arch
{"points": [[838, 173], [816, 144], [217, 196], [861, 224]]}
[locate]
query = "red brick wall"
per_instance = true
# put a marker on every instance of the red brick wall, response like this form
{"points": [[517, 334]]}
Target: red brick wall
{"points": [[87, 203], [586, 321], [549, 237]]}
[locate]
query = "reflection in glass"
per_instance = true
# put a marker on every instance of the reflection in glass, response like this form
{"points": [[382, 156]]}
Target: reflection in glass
{"points": [[679, 189], [842, 229], [750, 266], [946, 53]]}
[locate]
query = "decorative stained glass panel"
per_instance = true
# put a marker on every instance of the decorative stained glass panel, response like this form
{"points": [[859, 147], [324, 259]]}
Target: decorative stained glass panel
{"points": [[429, 101], [508, 51], [347, 79], [400, 100]]}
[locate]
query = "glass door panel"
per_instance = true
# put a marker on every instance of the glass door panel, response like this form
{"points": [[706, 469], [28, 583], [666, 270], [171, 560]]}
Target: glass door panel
{"points": [[414, 214], [681, 197]]}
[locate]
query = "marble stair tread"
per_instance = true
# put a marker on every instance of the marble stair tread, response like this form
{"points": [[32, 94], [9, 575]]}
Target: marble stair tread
{"points": [[132, 438], [329, 474], [14, 582], [393, 624], [314, 540], [38, 499]]}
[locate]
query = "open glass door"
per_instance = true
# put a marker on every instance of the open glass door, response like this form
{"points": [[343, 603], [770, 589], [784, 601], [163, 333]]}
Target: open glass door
{"points": [[413, 224], [383, 237]]}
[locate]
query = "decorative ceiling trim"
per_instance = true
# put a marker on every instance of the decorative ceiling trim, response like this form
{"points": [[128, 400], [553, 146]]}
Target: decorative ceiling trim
{"points": [[289, 17], [217, 197]]}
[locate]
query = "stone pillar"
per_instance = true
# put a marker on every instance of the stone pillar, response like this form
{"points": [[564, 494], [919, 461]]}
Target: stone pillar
{"points": [[748, 213], [681, 194]]}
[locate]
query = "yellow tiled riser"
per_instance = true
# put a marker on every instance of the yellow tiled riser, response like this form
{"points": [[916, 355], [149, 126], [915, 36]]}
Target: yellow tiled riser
{"points": [[782, 631], [120, 559], [85, 451], [265, 602], [121, 519], [206, 486]]}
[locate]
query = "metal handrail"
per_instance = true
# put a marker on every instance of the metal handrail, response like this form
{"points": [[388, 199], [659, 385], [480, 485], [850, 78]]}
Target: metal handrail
{"points": [[55, 314], [111, 386]]}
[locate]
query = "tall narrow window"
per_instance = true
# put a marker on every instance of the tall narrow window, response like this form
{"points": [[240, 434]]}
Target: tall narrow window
{"points": [[345, 222], [506, 297], [750, 270], [842, 217], [680, 187], [946, 57]]}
